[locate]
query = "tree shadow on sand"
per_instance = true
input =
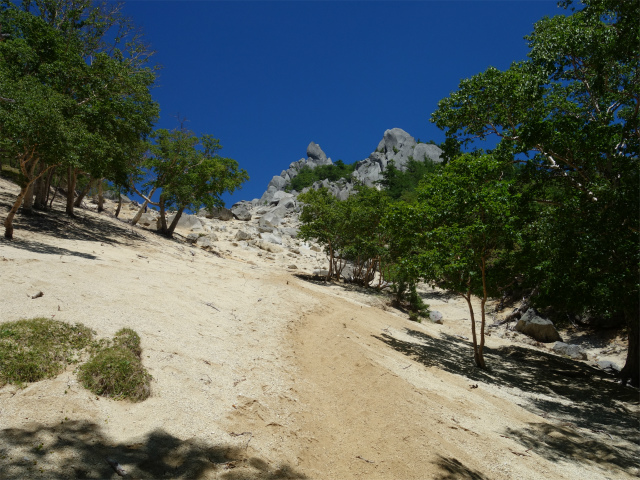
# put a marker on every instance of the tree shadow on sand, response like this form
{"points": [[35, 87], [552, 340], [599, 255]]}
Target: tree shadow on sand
{"points": [[79, 449], [452, 469], [320, 280], [39, 247], [593, 417], [80, 227]]}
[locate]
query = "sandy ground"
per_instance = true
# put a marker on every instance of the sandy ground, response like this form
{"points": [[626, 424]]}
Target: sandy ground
{"points": [[261, 371]]}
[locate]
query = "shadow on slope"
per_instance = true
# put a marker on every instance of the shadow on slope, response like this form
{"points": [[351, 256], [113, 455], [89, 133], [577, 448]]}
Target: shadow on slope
{"points": [[39, 247], [569, 393], [79, 449], [351, 287], [452, 469]]}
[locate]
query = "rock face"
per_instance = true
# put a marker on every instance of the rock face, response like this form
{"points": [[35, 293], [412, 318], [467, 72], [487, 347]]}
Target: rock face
{"points": [[396, 145], [537, 327]]}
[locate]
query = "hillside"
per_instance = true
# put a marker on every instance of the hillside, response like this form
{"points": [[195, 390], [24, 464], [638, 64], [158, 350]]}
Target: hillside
{"points": [[263, 371]]}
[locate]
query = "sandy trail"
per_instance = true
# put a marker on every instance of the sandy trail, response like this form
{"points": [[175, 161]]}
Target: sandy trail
{"points": [[259, 373]]}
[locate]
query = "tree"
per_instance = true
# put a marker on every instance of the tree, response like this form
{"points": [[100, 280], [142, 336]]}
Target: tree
{"points": [[74, 105], [321, 221], [189, 174], [471, 214], [111, 85], [571, 113], [34, 128], [401, 184]]}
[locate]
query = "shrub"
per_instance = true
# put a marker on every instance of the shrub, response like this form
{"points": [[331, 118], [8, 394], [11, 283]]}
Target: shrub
{"points": [[116, 371], [39, 348]]}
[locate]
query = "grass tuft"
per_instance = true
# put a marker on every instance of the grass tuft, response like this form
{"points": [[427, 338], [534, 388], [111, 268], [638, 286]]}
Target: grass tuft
{"points": [[128, 339], [116, 371], [39, 348]]}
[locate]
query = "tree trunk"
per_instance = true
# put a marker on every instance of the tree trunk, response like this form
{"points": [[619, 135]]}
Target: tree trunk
{"points": [[55, 192], [40, 190], [163, 217], [477, 354], [47, 189], [630, 373], [100, 196], [71, 190], [136, 218], [27, 205], [83, 193], [483, 316], [8, 222], [174, 223], [28, 167], [119, 205]]}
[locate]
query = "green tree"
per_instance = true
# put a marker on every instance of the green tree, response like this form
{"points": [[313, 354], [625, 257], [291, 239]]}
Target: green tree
{"points": [[402, 184], [571, 113], [189, 173], [404, 226], [472, 228], [321, 220], [33, 126], [307, 176], [113, 109], [67, 109]]}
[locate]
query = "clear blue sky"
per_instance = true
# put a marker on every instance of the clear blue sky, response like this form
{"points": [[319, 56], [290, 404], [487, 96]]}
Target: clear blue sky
{"points": [[267, 77]]}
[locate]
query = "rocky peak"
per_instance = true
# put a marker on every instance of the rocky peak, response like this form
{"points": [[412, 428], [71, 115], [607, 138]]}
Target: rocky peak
{"points": [[396, 145]]}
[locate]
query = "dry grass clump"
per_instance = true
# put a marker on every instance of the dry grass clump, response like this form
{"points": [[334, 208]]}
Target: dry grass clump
{"points": [[115, 369], [39, 348]]}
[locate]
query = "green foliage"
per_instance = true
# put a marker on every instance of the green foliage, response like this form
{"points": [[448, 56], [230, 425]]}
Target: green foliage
{"points": [[570, 113], [349, 230], [472, 228], [401, 185], [308, 176], [116, 371], [39, 348], [189, 172], [64, 100]]}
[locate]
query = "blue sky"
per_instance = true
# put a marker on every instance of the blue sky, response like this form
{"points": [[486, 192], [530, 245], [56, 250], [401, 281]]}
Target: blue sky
{"points": [[268, 77]]}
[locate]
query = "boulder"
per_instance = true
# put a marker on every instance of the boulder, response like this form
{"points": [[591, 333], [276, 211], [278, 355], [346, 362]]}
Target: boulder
{"points": [[278, 182], [429, 151], [292, 232], [270, 220], [242, 235], [395, 139], [287, 203], [149, 220], [541, 329], [271, 238], [315, 153], [242, 211], [192, 238], [219, 213], [572, 351], [608, 366], [186, 222], [206, 241], [278, 196], [436, 317], [268, 247]]}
